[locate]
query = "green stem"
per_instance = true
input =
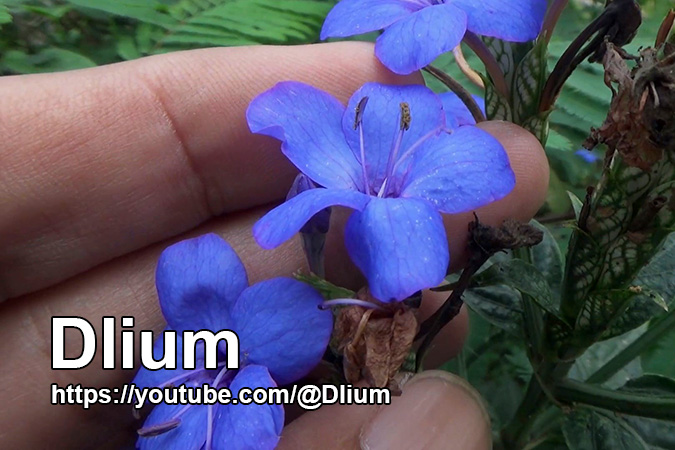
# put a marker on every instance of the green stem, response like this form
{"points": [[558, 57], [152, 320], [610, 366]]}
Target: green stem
{"points": [[658, 327], [518, 430], [571, 391]]}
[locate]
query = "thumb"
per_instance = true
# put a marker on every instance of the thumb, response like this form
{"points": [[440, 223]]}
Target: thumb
{"points": [[437, 410]]}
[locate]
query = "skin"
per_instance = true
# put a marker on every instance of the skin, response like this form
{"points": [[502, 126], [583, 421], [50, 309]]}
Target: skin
{"points": [[103, 168]]}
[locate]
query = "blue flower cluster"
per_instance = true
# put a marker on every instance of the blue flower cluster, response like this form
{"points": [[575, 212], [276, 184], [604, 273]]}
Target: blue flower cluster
{"points": [[398, 156], [202, 284]]}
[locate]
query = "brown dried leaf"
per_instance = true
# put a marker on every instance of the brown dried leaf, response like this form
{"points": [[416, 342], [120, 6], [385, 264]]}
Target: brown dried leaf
{"points": [[632, 127]]}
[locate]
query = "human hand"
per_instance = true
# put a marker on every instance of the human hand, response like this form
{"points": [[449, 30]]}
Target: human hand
{"points": [[103, 168]]}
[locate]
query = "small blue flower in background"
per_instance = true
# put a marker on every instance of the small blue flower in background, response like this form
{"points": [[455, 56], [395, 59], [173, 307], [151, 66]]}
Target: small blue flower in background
{"points": [[389, 156], [587, 156], [456, 112], [202, 284], [417, 31]]}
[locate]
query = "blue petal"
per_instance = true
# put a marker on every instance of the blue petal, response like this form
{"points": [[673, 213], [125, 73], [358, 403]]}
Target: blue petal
{"points": [[197, 280], [457, 112], [190, 434], [511, 20], [414, 42], [248, 427], [307, 121], [400, 246], [381, 122], [281, 327], [460, 171], [146, 378], [280, 224], [350, 17]]}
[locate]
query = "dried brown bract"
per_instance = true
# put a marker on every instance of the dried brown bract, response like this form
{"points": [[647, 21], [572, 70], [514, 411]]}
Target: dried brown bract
{"points": [[639, 124], [374, 343], [509, 236]]}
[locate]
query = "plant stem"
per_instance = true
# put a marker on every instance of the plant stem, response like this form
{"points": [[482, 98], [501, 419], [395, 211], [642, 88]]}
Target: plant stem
{"points": [[655, 332], [535, 403], [491, 65], [571, 391], [520, 426], [551, 19], [459, 90]]}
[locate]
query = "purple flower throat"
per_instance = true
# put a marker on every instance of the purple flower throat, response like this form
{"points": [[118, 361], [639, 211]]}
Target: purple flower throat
{"points": [[394, 161]]}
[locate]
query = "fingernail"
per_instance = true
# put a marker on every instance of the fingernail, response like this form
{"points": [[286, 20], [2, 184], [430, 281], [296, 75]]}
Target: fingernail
{"points": [[437, 410]]}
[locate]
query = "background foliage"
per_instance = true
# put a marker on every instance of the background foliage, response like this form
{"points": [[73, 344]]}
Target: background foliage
{"points": [[54, 35]]}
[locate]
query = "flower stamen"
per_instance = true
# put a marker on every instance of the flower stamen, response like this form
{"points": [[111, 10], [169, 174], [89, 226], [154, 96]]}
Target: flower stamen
{"points": [[156, 430], [358, 124], [349, 301], [404, 125], [209, 420]]}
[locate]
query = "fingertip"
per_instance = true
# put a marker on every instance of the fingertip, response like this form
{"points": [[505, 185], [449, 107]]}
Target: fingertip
{"points": [[437, 410], [529, 162]]}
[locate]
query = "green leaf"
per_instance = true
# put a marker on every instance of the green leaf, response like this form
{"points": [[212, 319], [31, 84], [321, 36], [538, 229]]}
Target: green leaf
{"points": [[658, 434], [548, 258], [328, 290], [146, 11], [591, 430], [523, 277], [643, 308], [529, 81], [577, 204], [609, 313], [659, 359], [659, 274], [47, 60], [242, 22], [496, 106], [5, 16], [600, 353], [651, 385], [127, 48], [499, 305]]}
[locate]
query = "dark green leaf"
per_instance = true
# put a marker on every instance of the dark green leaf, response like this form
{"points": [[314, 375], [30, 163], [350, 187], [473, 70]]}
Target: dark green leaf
{"points": [[658, 434], [651, 385], [523, 277], [659, 274], [643, 308], [577, 204], [591, 430], [659, 359], [548, 259], [146, 11], [499, 305]]}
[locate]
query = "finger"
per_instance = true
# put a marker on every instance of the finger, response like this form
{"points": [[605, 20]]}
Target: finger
{"points": [[100, 162], [437, 410]]}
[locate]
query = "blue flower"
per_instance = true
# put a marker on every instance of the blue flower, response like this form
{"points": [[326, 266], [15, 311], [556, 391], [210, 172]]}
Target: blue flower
{"points": [[202, 284], [389, 156], [456, 112], [587, 156], [417, 31]]}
